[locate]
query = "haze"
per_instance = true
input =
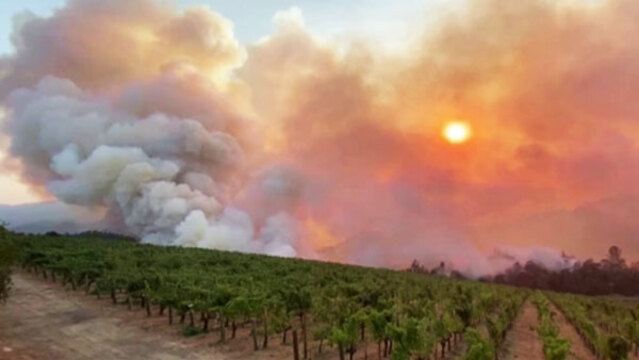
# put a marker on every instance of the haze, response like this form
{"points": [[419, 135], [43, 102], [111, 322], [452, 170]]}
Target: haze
{"points": [[458, 132]]}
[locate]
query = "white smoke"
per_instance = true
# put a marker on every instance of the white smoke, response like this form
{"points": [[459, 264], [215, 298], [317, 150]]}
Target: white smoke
{"points": [[154, 138], [550, 259], [166, 175]]}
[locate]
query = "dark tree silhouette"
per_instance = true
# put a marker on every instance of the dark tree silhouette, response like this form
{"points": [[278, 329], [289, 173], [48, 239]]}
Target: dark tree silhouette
{"points": [[609, 276]]}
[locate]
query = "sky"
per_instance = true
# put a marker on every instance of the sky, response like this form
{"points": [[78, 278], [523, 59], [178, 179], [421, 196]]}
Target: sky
{"points": [[252, 21], [369, 132]]}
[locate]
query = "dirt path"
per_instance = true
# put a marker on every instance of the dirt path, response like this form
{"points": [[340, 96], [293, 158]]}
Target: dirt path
{"points": [[522, 341], [42, 321], [578, 349]]}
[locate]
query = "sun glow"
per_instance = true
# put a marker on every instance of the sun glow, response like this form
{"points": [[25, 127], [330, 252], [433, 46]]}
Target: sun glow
{"points": [[456, 132]]}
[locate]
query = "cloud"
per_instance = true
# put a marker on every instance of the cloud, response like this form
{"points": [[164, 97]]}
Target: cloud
{"points": [[155, 134], [99, 45], [586, 231], [550, 109], [303, 145]]}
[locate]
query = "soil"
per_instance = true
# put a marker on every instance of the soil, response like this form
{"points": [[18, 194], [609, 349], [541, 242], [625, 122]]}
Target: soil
{"points": [[522, 341]]}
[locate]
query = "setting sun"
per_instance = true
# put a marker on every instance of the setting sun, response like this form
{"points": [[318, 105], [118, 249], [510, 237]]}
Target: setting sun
{"points": [[456, 132]]}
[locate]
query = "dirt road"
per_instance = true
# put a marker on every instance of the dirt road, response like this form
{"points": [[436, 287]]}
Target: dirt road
{"points": [[522, 341]]}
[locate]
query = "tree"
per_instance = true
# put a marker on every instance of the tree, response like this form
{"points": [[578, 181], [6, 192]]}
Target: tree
{"points": [[614, 256]]}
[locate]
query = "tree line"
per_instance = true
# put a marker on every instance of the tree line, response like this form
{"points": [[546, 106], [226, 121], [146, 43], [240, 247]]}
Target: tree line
{"points": [[611, 275]]}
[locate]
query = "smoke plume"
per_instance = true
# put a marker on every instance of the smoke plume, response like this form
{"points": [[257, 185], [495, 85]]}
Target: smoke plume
{"points": [[302, 146]]}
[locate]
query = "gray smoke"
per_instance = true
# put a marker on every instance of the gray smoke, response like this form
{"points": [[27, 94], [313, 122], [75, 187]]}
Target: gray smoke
{"points": [[153, 138]]}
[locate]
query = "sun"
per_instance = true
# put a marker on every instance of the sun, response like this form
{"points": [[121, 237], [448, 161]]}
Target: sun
{"points": [[457, 132]]}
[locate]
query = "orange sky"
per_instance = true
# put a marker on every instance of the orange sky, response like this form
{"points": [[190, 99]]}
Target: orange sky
{"points": [[13, 190], [547, 88]]}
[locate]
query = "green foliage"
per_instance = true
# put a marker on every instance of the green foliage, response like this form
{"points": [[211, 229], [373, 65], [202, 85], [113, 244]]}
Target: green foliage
{"points": [[608, 326], [631, 329], [503, 313], [346, 305], [617, 348], [465, 307], [478, 347], [378, 321], [412, 338], [8, 256], [555, 346], [345, 334]]}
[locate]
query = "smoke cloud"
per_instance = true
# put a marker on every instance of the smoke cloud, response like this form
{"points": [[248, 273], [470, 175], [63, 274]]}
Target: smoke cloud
{"points": [[153, 133], [302, 146]]}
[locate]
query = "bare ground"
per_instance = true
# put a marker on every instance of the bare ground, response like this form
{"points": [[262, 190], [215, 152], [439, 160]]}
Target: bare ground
{"points": [[522, 341], [578, 349]]}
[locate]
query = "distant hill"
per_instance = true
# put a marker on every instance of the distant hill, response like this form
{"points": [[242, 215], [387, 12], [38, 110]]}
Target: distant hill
{"points": [[50, 216]]}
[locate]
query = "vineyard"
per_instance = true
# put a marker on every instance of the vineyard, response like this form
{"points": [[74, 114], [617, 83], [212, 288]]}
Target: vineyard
{"points": [[319, 310]]}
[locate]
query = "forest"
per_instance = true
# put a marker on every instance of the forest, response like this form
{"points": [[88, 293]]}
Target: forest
{"points": [[610, 276]]}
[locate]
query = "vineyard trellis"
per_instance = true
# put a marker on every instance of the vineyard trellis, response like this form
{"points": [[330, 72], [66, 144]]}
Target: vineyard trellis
{"points": [[610, 328], [310, 306]]}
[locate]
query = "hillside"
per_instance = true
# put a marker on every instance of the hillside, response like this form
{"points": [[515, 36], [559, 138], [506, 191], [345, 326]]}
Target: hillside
{"points": [[254, 306]]}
